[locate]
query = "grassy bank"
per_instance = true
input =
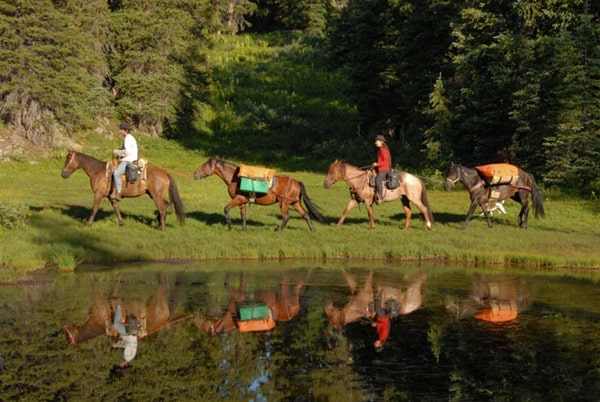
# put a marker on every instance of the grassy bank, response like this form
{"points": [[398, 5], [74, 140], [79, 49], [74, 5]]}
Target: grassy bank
{"points": [[54, 233]]}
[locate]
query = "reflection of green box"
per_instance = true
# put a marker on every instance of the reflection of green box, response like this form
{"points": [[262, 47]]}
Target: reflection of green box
{"points": [[254, 185], [254, 312]]}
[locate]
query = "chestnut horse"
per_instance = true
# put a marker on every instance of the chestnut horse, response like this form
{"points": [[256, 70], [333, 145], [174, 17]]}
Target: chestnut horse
{"points": [[482, 193], [156, 184], [285, 190], [411, 189], [152, 316], [357, 308], [284, 305]]}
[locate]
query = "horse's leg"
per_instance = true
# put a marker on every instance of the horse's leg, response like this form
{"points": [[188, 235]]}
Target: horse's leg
{"points": [[97, 199], [303, 213], [351, 205], [117, 210], [407, 211], [161, 217], [243, 215], [285, 211], [523, 215], [369, 205], [474, 204], [424, 210]]}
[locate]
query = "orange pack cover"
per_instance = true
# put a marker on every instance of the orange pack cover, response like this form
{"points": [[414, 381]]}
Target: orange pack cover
{"points": [[498, 169], [256, 172], [492, 315], [256, 325]]}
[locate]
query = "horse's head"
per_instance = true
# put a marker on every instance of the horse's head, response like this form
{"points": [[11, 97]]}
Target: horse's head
{"points": [[335, 315], [70, 165], [333, 174], [453, 176], [206, 169]]}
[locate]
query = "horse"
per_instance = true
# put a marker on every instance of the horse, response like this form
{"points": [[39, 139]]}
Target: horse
{"points": [[284, 304], [411, 189], [152, 316], [285, 190], [357, 308], [403, 301], [225, 322], [481, 193], [156, 184]]}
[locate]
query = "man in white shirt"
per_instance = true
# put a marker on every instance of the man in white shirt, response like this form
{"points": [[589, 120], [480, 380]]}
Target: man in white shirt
{"points": [[128, 153], [127, 337]]}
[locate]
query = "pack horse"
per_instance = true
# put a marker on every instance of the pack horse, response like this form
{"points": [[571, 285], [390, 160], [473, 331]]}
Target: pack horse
{"points": [[496, 182]]}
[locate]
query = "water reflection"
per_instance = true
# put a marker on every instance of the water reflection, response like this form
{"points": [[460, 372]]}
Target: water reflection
{"points": [[439, 347]]}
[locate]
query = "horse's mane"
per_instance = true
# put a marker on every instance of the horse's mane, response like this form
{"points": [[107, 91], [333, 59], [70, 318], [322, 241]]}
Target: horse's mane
{"points": [[88, 158]]}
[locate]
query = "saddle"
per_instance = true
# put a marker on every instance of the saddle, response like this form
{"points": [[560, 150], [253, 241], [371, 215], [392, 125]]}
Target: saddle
{"points": [[391, 182], [135, 170]]}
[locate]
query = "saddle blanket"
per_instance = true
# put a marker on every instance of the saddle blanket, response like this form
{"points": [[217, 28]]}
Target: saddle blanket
{"points": [[256, 172], [499, 173]]}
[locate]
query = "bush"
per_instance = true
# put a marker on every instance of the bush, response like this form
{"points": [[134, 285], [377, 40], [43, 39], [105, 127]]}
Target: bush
{"points": [[13, 215]]}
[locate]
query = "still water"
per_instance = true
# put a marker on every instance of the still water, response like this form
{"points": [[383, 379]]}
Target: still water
{"points": [[456, 333]]}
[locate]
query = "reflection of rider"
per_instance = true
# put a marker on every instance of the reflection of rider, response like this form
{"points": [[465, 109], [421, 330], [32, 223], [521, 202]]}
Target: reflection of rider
{"points": [[381, 322], [383, 165], [127, 336], [128, 153]]}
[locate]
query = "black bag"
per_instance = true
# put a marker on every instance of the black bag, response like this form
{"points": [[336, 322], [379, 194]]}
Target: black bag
{"points": [[393, 179], [132, 172]]}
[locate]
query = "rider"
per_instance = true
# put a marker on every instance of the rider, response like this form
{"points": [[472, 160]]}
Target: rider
{"points": [[127, 336], [383, 165], [381, 322], [128, 153]]}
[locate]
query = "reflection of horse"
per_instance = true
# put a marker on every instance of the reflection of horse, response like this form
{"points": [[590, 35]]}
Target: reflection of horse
{"points": [[284, 306], [285, 190], [152, 316], [156, 184], [481, 193], [403, 301], [411, 189], [357, 308], [496, 300]]}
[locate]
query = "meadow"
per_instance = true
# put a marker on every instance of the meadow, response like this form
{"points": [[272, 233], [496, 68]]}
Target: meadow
{"points": [[52, 234]]}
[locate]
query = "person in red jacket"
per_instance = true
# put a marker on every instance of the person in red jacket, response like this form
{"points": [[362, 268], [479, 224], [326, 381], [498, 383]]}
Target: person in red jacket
{"points": [[381, 322], [383, 165]]}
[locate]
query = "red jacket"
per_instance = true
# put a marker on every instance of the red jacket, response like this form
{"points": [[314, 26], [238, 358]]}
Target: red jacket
{"points": [[382, 325], [384, 159]]}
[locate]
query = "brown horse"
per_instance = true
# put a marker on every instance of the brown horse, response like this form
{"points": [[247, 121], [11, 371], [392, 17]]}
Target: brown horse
{"points": [[285, 190], [226, 321], [482, 193], [156, 184], [357, 308], [152, 316], [411, 189], [284, 304]]}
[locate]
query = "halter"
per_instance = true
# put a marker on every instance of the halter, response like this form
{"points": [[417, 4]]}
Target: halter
{"points": [[458, 173], [69, 163]]}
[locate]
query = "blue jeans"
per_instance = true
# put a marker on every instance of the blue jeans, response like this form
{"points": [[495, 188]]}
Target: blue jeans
{"points": [[117, 324], [117, 175], [381, 176]]}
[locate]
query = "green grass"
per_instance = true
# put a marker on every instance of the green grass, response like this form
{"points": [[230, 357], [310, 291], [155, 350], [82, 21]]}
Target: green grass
{"points": [[55, 233]]}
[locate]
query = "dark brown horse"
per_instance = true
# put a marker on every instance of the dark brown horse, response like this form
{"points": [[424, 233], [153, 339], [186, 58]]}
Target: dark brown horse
{"points": [[285, 190], [482, 193], [156, 184], [411, 189], [357, 308], [152, 316]]}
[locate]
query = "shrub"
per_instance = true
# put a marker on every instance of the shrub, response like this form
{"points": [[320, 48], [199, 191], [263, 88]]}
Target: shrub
{"points": [[13, 215]]}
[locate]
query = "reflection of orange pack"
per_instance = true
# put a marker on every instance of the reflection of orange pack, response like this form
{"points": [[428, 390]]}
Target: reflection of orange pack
{"points": [[499, 173], [492, 315], [256, 172], [256, 325]]}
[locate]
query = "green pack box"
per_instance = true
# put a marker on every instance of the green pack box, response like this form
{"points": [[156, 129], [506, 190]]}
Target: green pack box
{"points": [[260, 311], [254, 185]]}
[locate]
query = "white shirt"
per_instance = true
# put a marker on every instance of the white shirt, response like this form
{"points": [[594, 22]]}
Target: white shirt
{"points": [[130, 149]]}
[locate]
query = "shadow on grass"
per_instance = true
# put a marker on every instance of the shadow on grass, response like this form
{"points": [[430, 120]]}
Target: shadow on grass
{"points": [[82, 213]]}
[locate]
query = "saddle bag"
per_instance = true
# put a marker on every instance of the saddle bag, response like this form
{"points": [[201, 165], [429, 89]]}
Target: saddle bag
{"points": [[393, 179], [132, 172]]}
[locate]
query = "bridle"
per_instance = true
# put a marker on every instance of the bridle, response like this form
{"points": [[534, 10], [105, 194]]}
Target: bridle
{"points": [[458, 173], [71, 158]]}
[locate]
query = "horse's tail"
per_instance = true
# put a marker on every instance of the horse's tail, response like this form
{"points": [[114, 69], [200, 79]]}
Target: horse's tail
{"points": [[425, 202], [313, 209], [538, 199], [176, 200]]}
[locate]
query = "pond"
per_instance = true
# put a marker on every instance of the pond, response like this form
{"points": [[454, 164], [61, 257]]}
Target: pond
{"points": [[456, 333]]}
